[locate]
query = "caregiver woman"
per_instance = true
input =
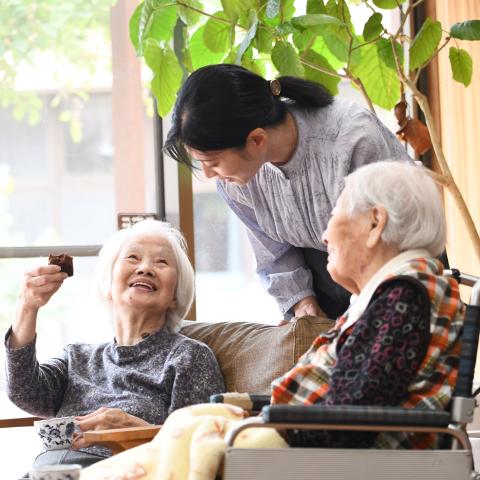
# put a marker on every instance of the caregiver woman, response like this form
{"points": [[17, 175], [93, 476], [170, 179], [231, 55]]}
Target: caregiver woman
{"points": [[279, 151]]}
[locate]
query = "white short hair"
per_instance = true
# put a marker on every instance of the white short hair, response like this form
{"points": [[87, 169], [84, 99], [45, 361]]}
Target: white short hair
{"points": [[416, 217], [108, 255]]}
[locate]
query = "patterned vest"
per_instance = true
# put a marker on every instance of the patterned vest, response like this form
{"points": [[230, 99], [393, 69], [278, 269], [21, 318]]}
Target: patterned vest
{"points": [[308, 381]]}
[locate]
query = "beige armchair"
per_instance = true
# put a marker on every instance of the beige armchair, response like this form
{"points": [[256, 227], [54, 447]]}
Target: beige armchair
{"points": [[250, 355]]}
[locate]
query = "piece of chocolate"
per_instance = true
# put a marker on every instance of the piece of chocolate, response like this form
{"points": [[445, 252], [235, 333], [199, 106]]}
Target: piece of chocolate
{"points": [[64, 261]]}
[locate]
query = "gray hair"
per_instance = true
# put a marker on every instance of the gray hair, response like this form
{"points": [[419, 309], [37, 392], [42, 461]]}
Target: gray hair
{"points": [[185, 282], [416, 218]]}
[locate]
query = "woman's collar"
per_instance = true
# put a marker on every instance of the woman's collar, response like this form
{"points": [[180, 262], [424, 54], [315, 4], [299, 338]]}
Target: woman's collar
{"points": [[359, 303]]}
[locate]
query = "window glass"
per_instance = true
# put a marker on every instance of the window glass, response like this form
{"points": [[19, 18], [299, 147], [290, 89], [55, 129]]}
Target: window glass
{"points": [[76, 149], [72, 315]]}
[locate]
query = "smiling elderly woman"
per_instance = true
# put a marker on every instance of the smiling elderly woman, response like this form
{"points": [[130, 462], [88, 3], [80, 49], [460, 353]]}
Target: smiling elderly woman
{"points": [[146, 372], [398, 342]]}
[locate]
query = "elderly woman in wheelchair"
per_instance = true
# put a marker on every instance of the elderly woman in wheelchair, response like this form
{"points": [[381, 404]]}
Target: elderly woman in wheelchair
{"points": [[145, 372], [397, 344]]}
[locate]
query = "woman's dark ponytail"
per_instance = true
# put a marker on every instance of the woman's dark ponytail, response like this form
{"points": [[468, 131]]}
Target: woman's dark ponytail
{"points": [[306, 94]]}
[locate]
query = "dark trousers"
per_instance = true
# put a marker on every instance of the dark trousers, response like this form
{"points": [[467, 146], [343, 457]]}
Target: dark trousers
{"points": [[65, 457], [331, 297]]}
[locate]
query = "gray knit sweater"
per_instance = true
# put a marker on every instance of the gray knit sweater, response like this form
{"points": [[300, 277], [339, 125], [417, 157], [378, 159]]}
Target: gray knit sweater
{"points": [[150, 380]]}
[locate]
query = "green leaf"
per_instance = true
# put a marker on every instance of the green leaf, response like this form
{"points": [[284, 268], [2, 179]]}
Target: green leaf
{"points": [[387, 4], [247, 40], [180, 40], [328, 81], [149, 10], [338, 43], [273, 8], [287, 10], [340, 10], [65, 116], [134, 25], [33, 117], [146, 12], [162, 24], [263, 40], [309, 40], [201, 55], [302, 39], [316, 6], [468, 30], [236, 8], [373, 28], [316, 19], [337, 37], [257, 67], [152, 52], [380, 82], [218, 35], [56, 101], [76, 130], [189, 16], [166, 83], [462, 65], [320, 46], [285, 29], [425, 43], [384, 48], [286, 60], [284, 14]]}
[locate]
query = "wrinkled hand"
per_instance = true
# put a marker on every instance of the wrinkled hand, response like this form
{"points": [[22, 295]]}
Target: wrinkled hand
{"points": [[103, 419], [39, 285], [307, 306]]}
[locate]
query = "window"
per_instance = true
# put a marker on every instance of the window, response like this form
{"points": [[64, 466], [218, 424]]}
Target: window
{"points": [[76, 149]]}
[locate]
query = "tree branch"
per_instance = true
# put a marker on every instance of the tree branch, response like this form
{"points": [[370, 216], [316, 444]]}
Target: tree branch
{"points": [[405, 15], [221, 20], [321, 69], [446, 177], [360, 85]]}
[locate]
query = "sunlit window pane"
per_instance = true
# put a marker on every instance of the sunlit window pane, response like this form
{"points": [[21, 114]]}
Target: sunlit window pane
{"points": [[76, 149]]}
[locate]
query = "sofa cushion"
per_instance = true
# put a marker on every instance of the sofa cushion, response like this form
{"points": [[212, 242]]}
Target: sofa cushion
{"points": [[251, 355]]}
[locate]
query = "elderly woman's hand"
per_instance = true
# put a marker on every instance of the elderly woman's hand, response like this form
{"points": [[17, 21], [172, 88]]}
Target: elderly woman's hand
{"points": [[39, 285], [104, 419]]}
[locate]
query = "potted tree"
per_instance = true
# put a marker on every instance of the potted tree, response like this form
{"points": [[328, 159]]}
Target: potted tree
{"points": [[321, 44]]}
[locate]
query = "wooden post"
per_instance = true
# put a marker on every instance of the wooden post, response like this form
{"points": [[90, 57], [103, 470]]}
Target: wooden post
{"points": [[128, 114]]}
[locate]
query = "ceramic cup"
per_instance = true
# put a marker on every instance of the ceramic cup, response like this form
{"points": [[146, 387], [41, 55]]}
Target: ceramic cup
{"points": [[56, 433], [55, 472]]}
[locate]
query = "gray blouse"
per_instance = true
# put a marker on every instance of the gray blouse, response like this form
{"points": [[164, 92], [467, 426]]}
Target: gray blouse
{"points": [[287, 207]]}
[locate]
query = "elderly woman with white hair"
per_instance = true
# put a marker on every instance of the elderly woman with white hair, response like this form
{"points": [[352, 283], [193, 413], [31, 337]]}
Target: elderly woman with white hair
{"points": [[145, 372], [398, 342]]}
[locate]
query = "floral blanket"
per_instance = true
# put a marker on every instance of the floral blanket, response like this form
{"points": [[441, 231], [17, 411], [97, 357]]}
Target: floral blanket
{"points": [[190, 446]]}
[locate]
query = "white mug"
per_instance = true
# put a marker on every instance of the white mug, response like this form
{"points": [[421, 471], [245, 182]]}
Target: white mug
{"points": [[55, 472], [56, 433]]}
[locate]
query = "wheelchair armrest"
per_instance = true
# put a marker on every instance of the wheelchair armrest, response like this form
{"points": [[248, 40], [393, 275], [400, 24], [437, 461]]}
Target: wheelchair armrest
{"points": [[355, 415], [248, 401]]}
